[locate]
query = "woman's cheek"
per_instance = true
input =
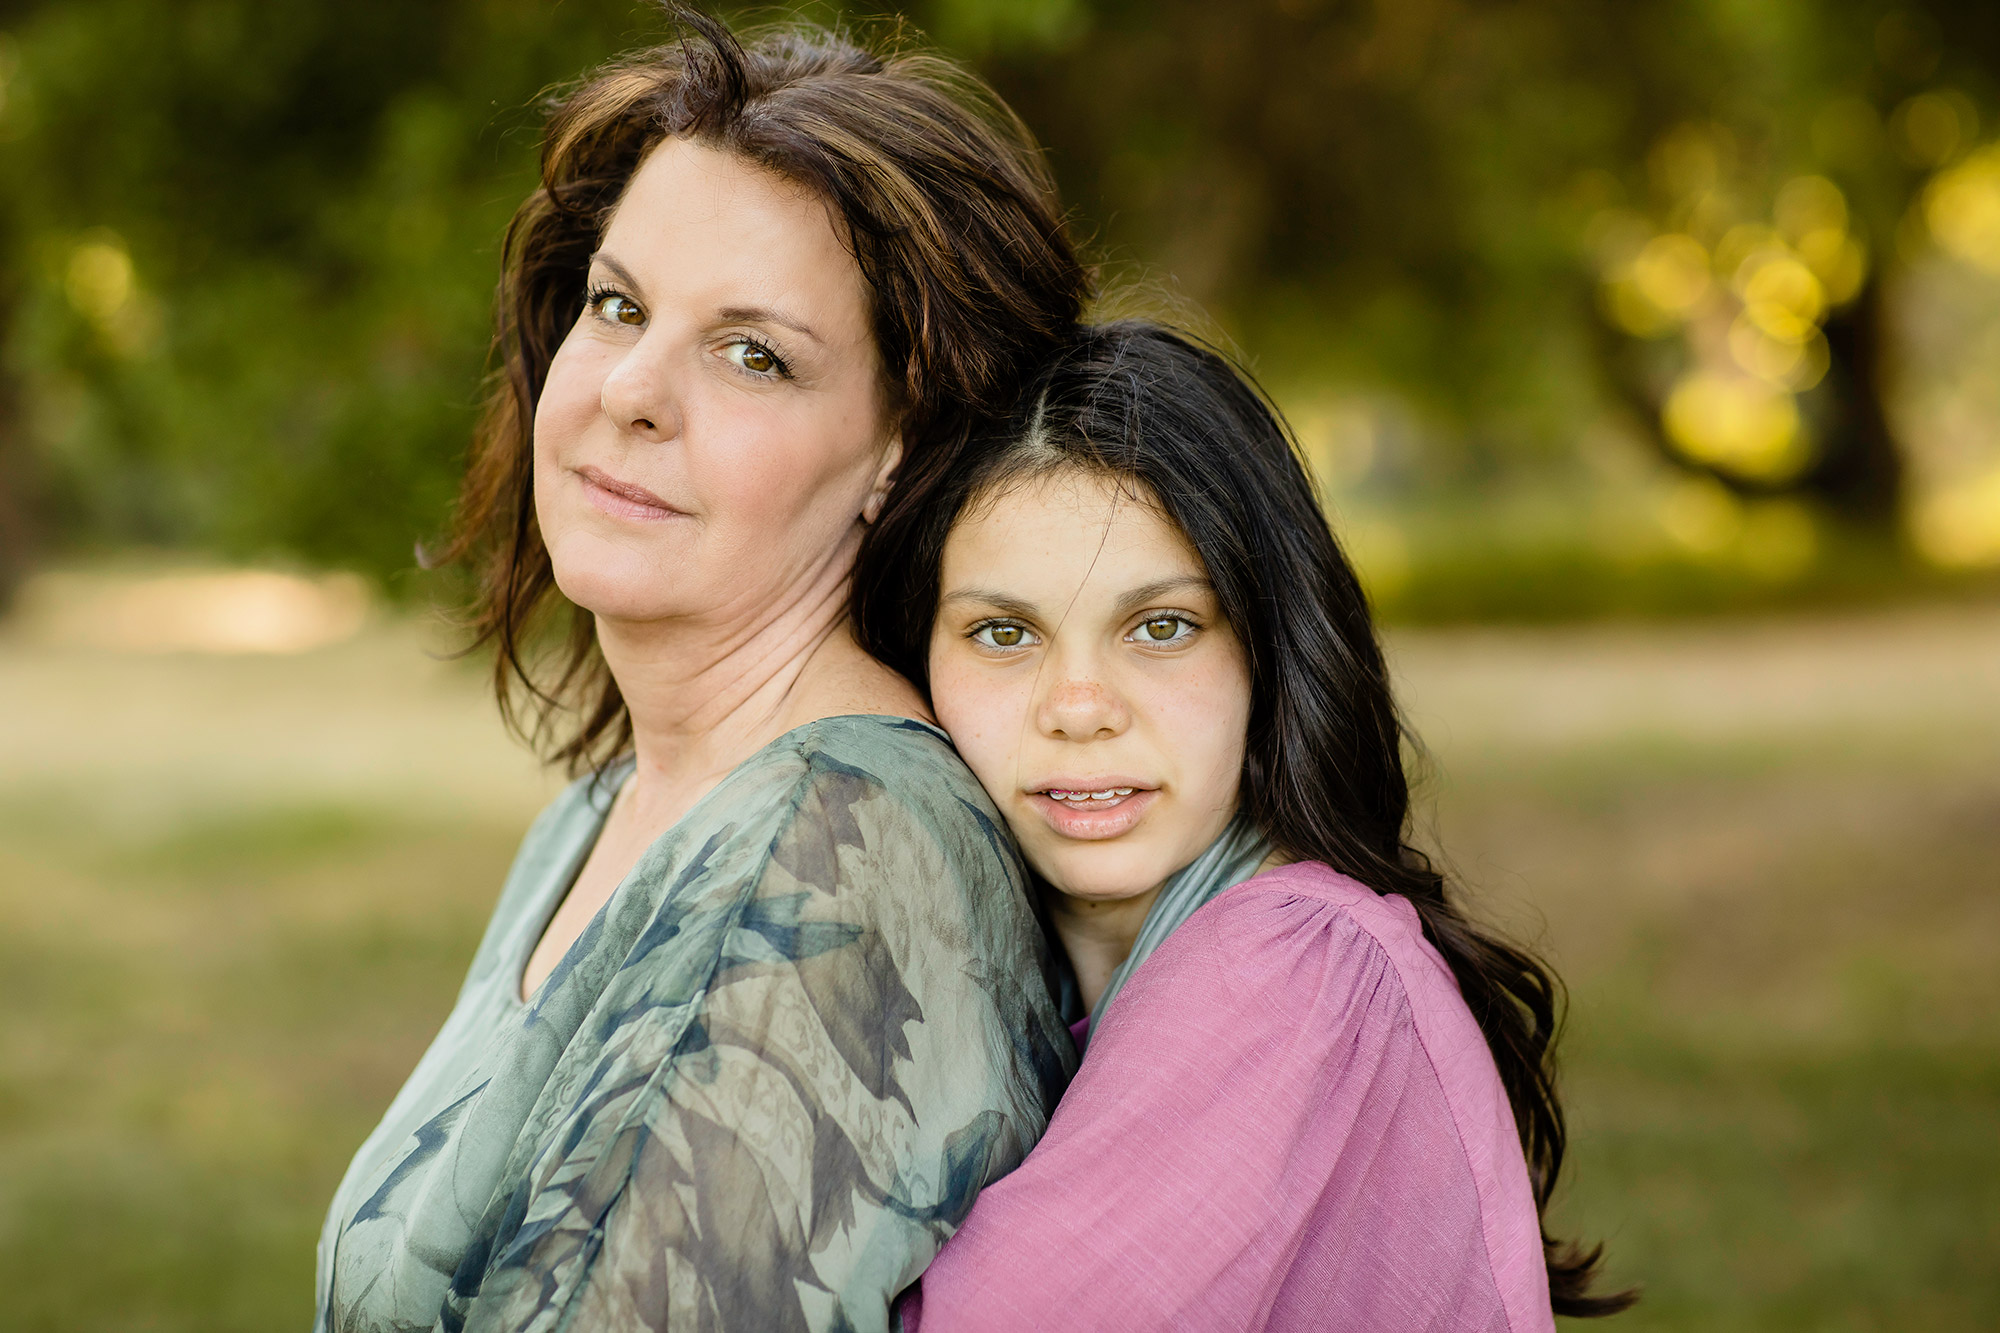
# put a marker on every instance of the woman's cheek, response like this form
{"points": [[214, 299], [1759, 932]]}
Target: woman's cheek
{"points": [[572, 396]]}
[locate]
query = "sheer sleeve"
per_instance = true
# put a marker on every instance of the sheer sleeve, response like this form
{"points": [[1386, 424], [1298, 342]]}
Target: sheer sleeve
{"points": [[1289, 1121], [814, 1053]]}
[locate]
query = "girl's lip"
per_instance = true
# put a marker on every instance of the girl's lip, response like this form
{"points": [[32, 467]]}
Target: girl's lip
{"points": [[622, 499], [1094, 822]]}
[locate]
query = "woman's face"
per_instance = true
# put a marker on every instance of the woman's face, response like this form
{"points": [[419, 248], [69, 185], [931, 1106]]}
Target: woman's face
{"points": [[714, 429], [1084, 670]]}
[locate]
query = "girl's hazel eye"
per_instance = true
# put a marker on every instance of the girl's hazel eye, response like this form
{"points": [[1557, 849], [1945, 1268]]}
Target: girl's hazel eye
{"points": [[1164, 629], [1001, 636]]}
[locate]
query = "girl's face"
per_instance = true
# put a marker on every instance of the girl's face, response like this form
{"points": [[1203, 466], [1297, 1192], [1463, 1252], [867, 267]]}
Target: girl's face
{"points": [[714, 429], [1084, 670]]}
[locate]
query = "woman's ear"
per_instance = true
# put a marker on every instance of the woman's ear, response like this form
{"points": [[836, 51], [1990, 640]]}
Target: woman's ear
{"points": [[885, 477]]}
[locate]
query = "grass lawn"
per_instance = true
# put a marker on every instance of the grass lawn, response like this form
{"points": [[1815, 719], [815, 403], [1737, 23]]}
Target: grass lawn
{"points": [[237, 896]]}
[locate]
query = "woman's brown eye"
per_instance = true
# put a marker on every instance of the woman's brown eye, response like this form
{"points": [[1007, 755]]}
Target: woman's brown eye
{"points": [[623, 309], [1006, 636], [1163, 629], [759, 360]]}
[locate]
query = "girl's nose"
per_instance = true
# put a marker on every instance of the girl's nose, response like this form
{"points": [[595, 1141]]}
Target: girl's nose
{"points": [[1081, 709], [639, 396]]}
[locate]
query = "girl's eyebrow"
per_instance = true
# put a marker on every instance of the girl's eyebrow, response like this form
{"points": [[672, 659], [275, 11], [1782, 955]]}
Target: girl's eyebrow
{"points": [[1132, 601], [999, 601], [1152, 592]]}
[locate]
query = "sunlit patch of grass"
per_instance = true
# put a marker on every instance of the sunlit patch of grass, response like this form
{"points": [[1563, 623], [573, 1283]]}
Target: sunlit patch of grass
{"points": [[1772, 1189], [240, 842], [1781, 942], [211, 1020]]}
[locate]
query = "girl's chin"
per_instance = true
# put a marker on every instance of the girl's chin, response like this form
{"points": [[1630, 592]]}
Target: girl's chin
{"points": [[1102, 883]]}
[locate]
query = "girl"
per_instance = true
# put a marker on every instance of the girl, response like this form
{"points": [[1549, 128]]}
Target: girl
{"points": [[1316, 1095]]}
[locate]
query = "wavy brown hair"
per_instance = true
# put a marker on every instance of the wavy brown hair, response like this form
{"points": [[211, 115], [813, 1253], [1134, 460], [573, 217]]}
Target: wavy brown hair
{"points": [[946, 205]]}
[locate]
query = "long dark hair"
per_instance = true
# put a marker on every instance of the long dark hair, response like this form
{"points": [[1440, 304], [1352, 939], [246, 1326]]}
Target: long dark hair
{"points": [[1323, 771], [949, 210]]}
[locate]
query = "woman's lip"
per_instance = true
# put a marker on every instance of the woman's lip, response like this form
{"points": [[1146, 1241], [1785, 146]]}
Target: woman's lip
{"points": [[1093, 823], [622, 499]]}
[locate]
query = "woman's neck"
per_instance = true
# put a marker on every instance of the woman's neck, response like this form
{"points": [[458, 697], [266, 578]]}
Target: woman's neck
{"points": [[705, 694], [1098, 935]]}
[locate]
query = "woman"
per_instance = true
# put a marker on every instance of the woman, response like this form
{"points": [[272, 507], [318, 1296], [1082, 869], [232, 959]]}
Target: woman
{"points": [[764, 1001], [1316, 1095]]}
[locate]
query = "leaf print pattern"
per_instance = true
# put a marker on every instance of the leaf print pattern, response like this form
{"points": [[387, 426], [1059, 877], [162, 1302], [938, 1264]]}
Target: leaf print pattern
{"points": [[759, 1093]]}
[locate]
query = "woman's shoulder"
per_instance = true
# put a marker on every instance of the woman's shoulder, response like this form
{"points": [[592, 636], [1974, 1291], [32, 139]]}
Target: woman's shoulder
{"points": [[887, 784], [903, 761], [888, 747]]}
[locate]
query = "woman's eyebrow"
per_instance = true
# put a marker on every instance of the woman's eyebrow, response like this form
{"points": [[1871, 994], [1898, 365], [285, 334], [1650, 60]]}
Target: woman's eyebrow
{"points": [[1154, 591], [988, 597], [618, 270], [763, 314]]}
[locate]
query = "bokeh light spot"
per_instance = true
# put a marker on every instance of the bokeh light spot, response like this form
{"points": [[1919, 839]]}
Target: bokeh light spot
{"points": [[1807, 204], [1796, 366], [1738, 424], [1838, 260], [1962, 207], [1782, 295], [99, 279], [1672, 273], [1931, 127], [197, 611], [1960, 527]]}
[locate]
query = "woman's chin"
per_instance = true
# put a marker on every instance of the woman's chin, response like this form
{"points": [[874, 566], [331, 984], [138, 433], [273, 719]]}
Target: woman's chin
{"points": [[617, 583]]}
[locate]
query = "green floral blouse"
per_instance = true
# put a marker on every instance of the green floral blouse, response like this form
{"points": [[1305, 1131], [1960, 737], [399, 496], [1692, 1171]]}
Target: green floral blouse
{"points": [[758, 1092]]}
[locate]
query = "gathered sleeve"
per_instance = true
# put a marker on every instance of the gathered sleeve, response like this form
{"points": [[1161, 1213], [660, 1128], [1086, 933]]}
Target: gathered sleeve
{"points": [[1289, 1120], [824, 1028]]}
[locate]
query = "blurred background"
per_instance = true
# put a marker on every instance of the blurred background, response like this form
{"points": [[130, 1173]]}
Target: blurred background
{"points": [[1648, 354]]}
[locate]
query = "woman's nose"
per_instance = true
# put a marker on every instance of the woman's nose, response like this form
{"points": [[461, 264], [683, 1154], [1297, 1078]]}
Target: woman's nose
{"points": [[638, 394], [1078, 708]]}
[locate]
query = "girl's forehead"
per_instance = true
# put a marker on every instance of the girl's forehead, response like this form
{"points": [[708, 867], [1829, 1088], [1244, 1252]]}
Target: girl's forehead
{"points": [[1083, 529], [1067, 496]]}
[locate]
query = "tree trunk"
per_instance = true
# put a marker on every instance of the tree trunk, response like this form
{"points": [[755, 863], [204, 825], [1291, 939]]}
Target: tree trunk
{"points": [[1859, 474], [17, 536]]}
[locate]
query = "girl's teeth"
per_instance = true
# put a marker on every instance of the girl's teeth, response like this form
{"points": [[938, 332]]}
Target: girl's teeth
{"points": [[1079, 797]]}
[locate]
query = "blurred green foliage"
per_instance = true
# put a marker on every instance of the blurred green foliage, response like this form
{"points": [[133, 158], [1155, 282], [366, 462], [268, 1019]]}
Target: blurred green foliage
{"points": [[251, 247], [247, 249]]}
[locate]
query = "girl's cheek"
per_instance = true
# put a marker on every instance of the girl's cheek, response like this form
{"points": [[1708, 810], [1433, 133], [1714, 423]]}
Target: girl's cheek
{"points": [[983, 717]]}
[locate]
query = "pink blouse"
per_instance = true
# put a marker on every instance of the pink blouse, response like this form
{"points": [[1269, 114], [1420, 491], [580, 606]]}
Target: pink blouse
{"points": [[1289, 1120]]}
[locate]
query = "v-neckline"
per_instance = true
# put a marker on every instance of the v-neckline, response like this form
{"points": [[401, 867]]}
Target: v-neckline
{"points": [[526, 944]]}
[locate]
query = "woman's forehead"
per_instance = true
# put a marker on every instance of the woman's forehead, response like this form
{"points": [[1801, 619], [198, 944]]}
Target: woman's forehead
{"points": [[698, 220]]}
